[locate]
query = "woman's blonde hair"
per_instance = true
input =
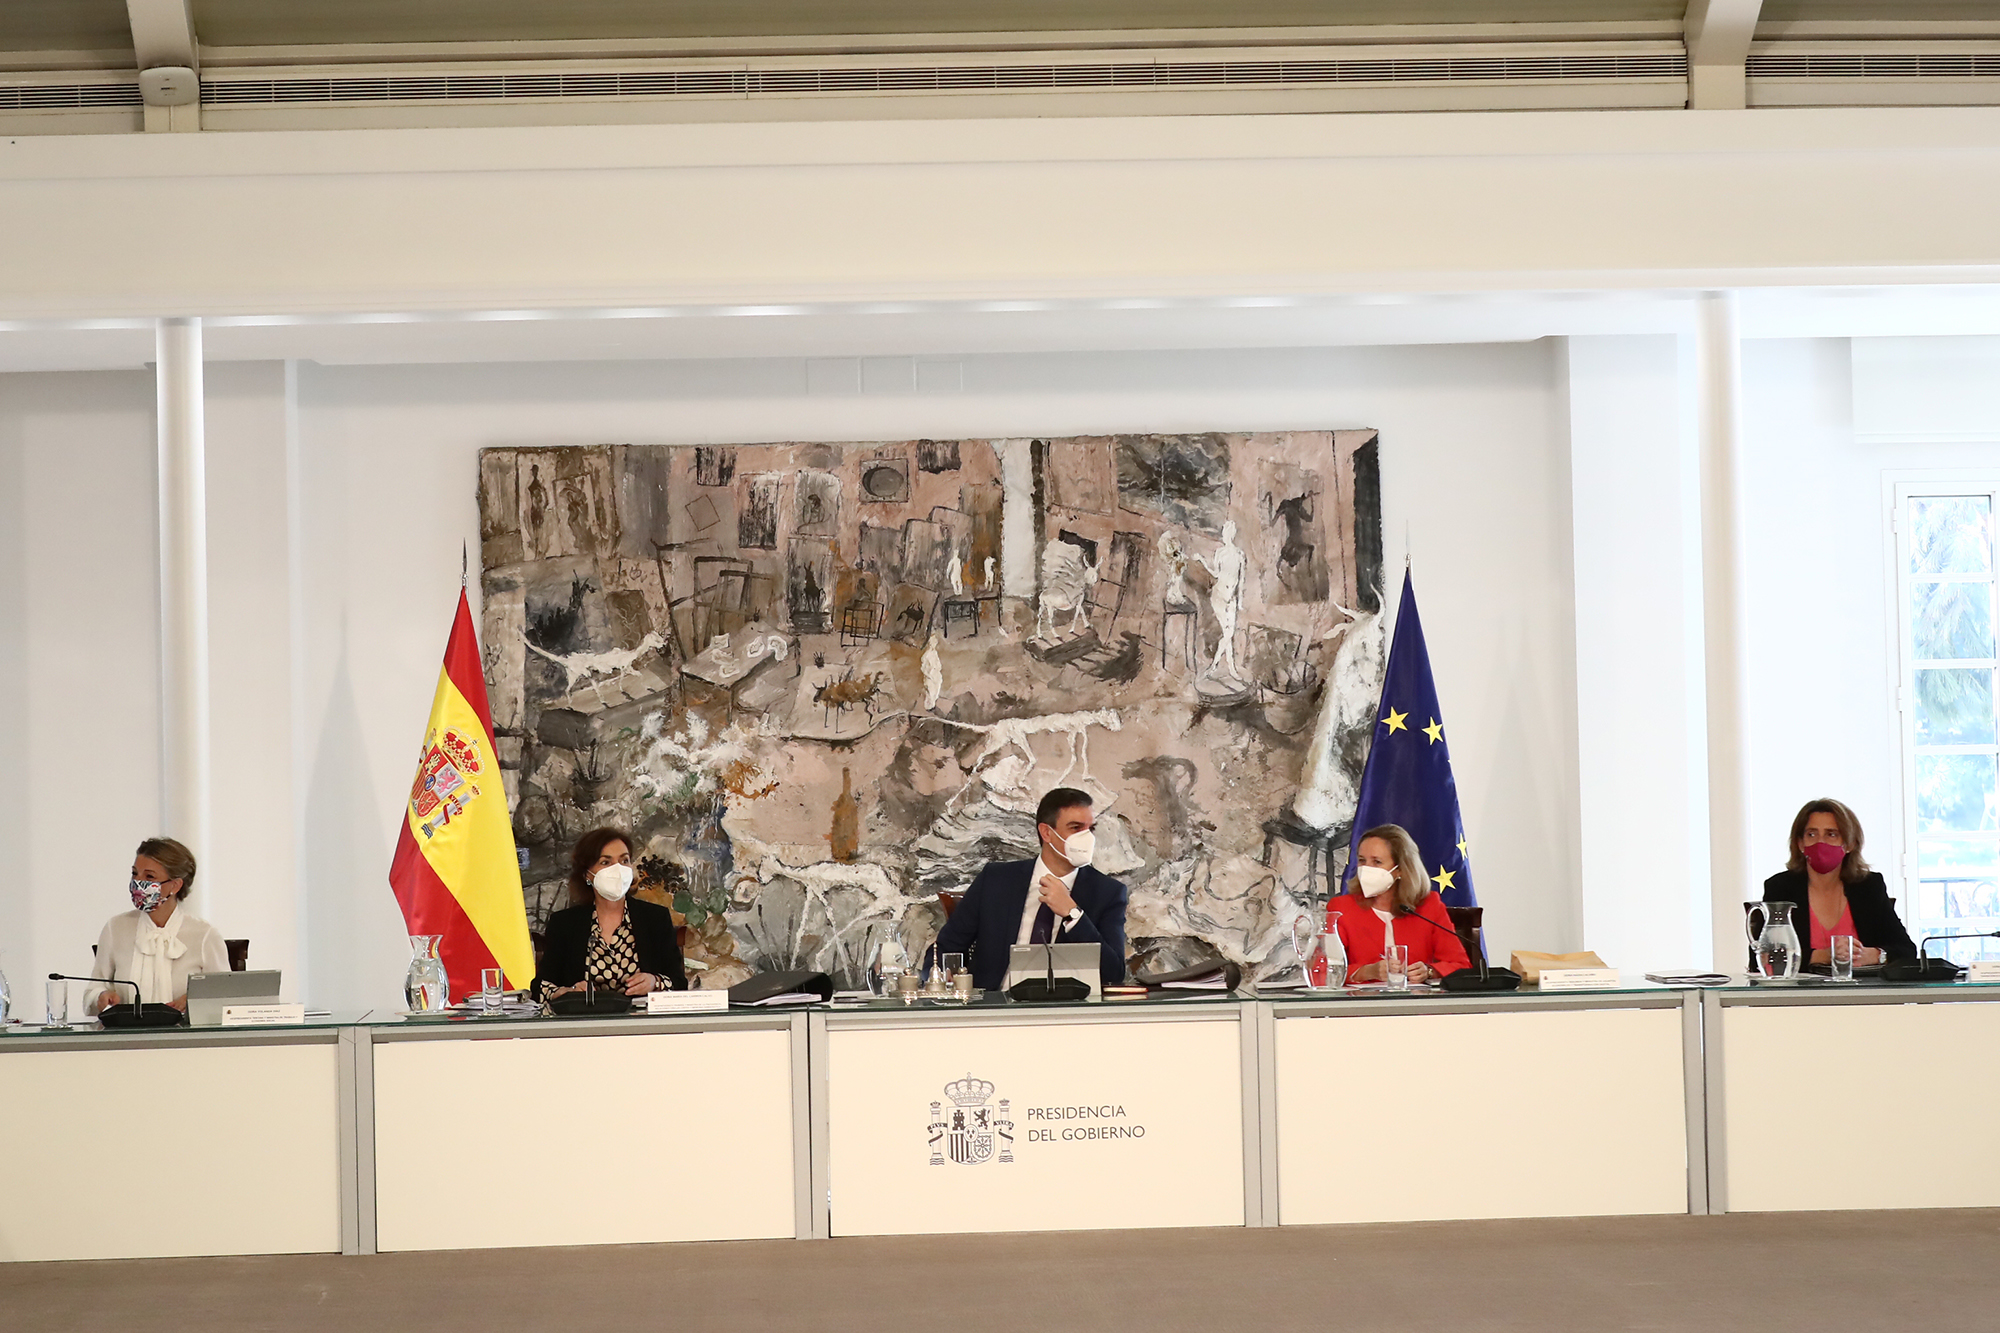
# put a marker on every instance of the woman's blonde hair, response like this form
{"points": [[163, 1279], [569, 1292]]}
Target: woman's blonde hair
{"points": [[174, 858], [1413, 882]]}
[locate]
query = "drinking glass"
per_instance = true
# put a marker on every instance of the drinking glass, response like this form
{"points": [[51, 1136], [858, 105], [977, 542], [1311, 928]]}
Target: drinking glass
{"points": [[890, 964], [953, 964], [491, 985], [1841, 951], [1396, 967], [58, 993]]}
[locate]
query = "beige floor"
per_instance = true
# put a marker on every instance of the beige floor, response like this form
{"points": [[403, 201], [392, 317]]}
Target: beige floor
{"points": [[1772, 1273]]}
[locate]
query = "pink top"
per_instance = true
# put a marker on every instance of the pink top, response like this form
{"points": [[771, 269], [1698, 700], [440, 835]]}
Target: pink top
{"points": [[1822, 938]]}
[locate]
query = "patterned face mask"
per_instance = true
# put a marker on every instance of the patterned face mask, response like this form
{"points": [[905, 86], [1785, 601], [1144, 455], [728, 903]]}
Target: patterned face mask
{"points": [[145, 895]]}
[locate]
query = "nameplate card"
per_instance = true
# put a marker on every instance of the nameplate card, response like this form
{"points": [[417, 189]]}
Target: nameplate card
{"points": [[1579, 978], [1983, 969], [261, 1015], [687, 1002]]}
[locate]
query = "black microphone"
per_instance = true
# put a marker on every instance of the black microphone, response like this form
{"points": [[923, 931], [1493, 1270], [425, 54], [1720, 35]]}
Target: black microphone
{"points": [[1043, 990], [133, 1015], [1465, 979], [102, 981], [1926, 968]]}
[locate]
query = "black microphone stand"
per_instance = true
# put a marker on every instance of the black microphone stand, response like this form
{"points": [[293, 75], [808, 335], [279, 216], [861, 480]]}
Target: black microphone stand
{"points": [[1465, 979], [1926, 968], [133, 1015]]}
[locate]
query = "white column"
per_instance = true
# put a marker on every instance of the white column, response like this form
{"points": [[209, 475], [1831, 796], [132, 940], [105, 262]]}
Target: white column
{"points": [[1719, 388], [184, 733]]}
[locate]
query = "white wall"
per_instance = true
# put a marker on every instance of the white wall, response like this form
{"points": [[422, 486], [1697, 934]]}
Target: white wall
{"points": [[79, 664], [1642, 757], [252, 864], [1820, 698], [328, 630], [338, 506], [1475, 480]]}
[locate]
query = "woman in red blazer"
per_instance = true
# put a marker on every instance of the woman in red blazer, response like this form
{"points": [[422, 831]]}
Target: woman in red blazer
{"points": [[1388, 888]]}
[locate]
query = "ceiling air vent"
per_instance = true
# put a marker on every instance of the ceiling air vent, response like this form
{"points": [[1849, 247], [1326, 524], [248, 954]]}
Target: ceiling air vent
{"points": [[1876, 65], [781, 81], [67, 96]]}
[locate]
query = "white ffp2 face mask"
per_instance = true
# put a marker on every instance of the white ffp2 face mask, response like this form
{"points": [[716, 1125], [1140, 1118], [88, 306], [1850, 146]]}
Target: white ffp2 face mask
{"points": [[1079, 847], [612, 882], [1374, 879]]}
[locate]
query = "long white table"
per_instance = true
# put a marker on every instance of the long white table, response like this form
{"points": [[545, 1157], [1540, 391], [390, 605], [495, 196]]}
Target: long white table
{"points": [[494, 1134], [1521, 1105], [171, 1143], [361, 1135], [1010, 1118], [1861, 1097]]}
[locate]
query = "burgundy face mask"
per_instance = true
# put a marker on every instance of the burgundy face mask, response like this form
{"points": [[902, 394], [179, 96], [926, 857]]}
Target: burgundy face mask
{"points": [[1825, 857]]}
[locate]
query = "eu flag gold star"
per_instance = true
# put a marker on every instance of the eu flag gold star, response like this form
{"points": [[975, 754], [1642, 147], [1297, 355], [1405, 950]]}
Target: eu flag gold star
{"points": [[1395, 721], [1461, 849], [1435, 731], [1445, 877]]}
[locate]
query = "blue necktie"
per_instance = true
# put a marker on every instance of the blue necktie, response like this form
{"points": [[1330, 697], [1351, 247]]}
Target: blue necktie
{"points": [[1045, 926]]}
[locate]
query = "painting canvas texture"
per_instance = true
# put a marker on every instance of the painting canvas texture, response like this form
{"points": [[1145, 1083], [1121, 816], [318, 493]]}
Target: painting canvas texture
{"points": [[824, 684]]}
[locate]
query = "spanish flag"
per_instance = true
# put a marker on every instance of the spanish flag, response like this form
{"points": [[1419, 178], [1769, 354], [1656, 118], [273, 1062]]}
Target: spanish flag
{"points": [[455, 872]]}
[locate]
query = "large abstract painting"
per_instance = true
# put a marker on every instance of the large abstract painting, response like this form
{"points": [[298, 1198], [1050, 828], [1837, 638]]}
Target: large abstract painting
{"points": [[825, 683]]}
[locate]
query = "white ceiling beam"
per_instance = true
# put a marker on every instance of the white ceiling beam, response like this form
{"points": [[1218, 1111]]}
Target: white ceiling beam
{"points": [[1718, 44], [162, 32], [163, 43]]}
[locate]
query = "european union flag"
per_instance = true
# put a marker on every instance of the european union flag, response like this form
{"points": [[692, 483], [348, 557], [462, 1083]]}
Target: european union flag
{"points": [[1408, 778]]}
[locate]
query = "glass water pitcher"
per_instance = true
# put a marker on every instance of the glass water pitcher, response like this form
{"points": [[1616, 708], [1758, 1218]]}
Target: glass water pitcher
{"points": [[1774, 941], [426, 988]]}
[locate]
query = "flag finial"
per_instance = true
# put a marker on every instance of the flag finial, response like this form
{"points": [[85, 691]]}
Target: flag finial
{"points": [[464, 562]]}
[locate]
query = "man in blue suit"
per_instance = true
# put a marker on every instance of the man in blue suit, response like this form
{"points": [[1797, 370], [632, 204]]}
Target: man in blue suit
{"points": [[1055, 898]]}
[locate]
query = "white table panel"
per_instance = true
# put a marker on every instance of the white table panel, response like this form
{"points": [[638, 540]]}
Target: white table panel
{"points": [[1090, 1125], [1819, 1112], [241, 1141], [1557, 1113], [491, 1143]]}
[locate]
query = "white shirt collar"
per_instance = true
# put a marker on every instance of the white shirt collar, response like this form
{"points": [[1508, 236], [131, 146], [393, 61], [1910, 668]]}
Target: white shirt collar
{"points": [[1044, 868]]}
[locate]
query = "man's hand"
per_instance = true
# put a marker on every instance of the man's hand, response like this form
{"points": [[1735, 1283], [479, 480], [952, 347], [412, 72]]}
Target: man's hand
{"points": [[1056, 896]]}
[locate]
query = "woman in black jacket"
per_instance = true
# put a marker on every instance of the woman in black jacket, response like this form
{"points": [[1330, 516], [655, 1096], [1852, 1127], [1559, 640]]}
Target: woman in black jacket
{"points": [[622, 944], [1836, 892]]}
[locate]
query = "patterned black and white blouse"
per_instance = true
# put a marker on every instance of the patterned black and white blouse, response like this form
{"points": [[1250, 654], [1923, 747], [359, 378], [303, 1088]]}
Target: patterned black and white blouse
{"points": [[608, 963]]}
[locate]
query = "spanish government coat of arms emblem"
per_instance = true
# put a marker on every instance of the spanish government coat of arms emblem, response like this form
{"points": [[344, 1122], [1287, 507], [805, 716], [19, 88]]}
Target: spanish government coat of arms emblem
{"points": [[444, 785], [971, 1131]]}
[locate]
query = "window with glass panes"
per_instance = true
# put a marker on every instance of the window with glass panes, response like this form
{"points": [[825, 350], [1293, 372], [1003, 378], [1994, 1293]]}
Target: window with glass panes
{"points": [[1951, 804]]}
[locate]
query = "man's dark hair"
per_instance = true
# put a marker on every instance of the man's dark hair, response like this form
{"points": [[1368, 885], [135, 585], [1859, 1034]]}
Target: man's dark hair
{"points": [[1057, 801]]}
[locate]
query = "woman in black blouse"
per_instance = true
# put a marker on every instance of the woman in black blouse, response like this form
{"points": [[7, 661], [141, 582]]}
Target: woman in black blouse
{"points": [[622, 944]]}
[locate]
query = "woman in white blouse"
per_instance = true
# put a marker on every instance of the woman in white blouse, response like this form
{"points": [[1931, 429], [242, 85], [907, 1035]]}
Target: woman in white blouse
{"points": [[158, 944]]}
